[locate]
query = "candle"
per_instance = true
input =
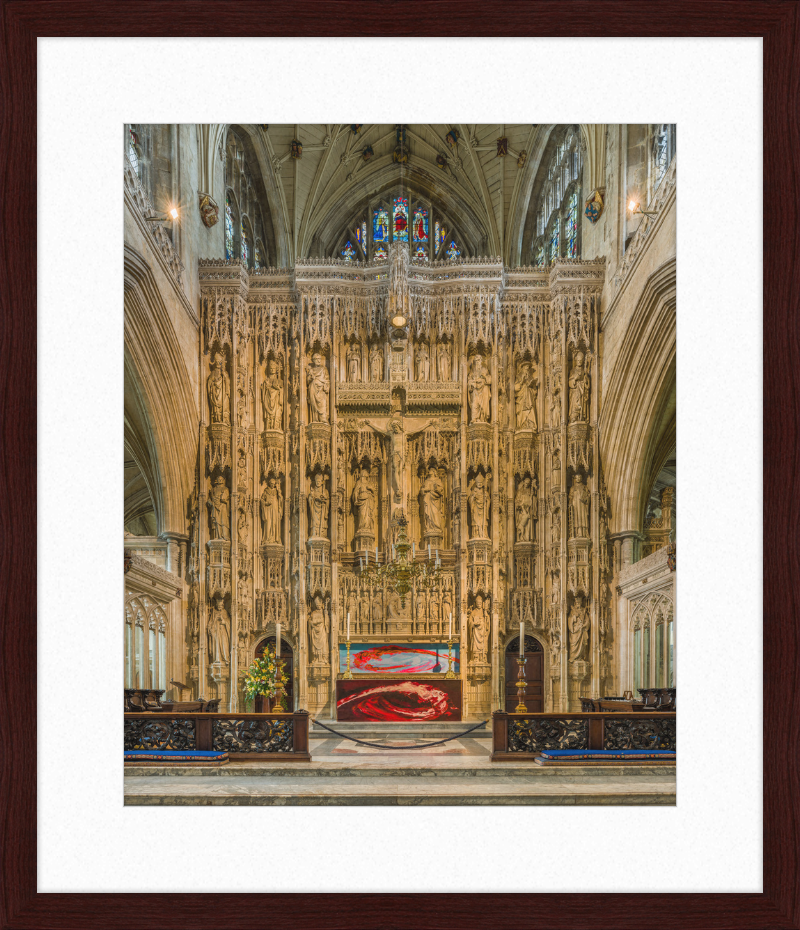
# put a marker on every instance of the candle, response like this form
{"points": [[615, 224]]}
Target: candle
{"points": [[366, 553], [412, 550], [451, 627], [376, 555], [277, 641], [348, 626], [521, 638], [429, 550]]}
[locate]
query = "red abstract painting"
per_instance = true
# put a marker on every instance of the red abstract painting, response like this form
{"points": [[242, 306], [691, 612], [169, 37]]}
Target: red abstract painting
{"points": [[410, 701]]}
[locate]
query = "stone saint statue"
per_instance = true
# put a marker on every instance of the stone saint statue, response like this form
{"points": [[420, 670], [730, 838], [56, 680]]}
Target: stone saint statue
{"points": [[555, 407], [376, 363], [423, 362], [353, 363], [525, 397], [447, 610], [523, 511], [318, 633], [445, 368], [318, 504], [219, 508], [578, 391], [319, 386], [432, 498], [393, 609], [479, 500], [363, 504], [271, 512], [578, 624], [272, 397], [218, 633], [478, 631], [243, 525], [579, 507], [219, 391], [479, 392]]}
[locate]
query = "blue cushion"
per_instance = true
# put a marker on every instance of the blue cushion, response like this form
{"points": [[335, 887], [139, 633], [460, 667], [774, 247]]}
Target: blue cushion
{"points": [[608, 753]]}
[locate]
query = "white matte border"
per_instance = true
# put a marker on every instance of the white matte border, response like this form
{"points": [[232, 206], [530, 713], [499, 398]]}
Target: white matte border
{"points": [[87, 89]]}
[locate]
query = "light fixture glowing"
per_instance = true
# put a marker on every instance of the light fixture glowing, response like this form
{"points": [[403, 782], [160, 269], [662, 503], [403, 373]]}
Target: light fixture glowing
{"points": [[634, 207], [399, 321], [173, 213]]}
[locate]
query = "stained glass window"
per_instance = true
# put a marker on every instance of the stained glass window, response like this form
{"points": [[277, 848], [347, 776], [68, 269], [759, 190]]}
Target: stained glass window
{"points": [[571, 227], [539, 254], [421, 253], [228, 228], [420, 225], [361, 236], [663, 149], [453, 251], [257, 256], [133, 155], [245, 246], [380, 226], [380, 253], [348, 252], [552, 250], [400, 230]]}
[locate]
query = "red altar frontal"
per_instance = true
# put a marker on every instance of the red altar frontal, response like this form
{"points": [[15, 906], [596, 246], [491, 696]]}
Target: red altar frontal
{"points": [[401, 699]]}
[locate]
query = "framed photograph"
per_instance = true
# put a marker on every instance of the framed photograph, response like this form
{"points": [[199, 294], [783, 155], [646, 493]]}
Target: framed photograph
{"points": [[402, 404]]}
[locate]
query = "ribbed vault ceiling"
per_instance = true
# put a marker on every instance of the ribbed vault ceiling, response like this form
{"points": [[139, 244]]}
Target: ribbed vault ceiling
{"points": [[311, 198]]}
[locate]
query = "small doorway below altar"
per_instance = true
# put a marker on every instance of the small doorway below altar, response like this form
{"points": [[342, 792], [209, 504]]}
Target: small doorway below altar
{"points": [[534, 675], [287, 657]]}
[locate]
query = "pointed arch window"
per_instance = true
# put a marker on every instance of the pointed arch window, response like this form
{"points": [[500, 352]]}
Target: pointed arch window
{"points": [[258, 255], [439, 235], [348, 252], [571, 227], [133, 150], [361, 237], [228, 228], [420, 225], [400, 220], [663, 151], [557, 227], [245, 246], [380, 225]]}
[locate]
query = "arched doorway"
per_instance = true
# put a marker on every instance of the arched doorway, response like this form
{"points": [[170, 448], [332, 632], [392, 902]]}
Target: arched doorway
{"points": [[287, 657], [534, 675]]}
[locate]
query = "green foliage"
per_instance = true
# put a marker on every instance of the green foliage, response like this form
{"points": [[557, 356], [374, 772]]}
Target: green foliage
{"points": [[261, 678]]}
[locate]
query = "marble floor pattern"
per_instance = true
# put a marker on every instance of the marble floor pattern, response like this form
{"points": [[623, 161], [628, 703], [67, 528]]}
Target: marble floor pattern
{"points": [[368, 776]]}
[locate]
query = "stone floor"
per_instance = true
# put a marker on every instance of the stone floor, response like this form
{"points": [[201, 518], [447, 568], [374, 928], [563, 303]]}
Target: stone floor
{"points": [[344, 773]]}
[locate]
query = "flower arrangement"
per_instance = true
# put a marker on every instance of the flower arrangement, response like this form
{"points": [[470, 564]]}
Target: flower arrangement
{"points": [[261, 677]]}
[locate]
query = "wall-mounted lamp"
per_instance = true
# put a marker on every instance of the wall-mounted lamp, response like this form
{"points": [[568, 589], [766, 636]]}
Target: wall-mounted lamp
{"points": [[635, 208], [163, 217]]}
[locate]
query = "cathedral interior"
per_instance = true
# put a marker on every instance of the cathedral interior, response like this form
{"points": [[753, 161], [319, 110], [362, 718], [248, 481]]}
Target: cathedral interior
{"points": [[359, 352]]}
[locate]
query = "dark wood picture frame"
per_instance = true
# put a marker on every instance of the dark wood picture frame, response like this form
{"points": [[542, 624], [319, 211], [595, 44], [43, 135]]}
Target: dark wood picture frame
{"points": [[779, 904]]}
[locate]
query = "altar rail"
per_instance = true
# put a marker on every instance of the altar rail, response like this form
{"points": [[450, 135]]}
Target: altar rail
{"points": [[245, 737], [516, 737]]}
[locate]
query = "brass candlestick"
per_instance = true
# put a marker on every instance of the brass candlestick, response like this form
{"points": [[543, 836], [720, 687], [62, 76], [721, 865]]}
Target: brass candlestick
{"points": [[278, 706], [450, 672], [521, 685], [348, 674]]}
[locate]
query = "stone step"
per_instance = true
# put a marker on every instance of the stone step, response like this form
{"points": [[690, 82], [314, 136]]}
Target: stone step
{"points": [[401, 731], [425, 791], [402, 765]]}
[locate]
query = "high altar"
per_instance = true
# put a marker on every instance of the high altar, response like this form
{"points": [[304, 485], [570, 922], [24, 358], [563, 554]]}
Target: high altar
{"points": [[341, 399]]}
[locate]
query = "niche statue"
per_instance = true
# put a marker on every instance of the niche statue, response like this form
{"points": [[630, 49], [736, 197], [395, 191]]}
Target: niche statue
{"points": [[319, 386], [318, 504], [219, 391]]}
